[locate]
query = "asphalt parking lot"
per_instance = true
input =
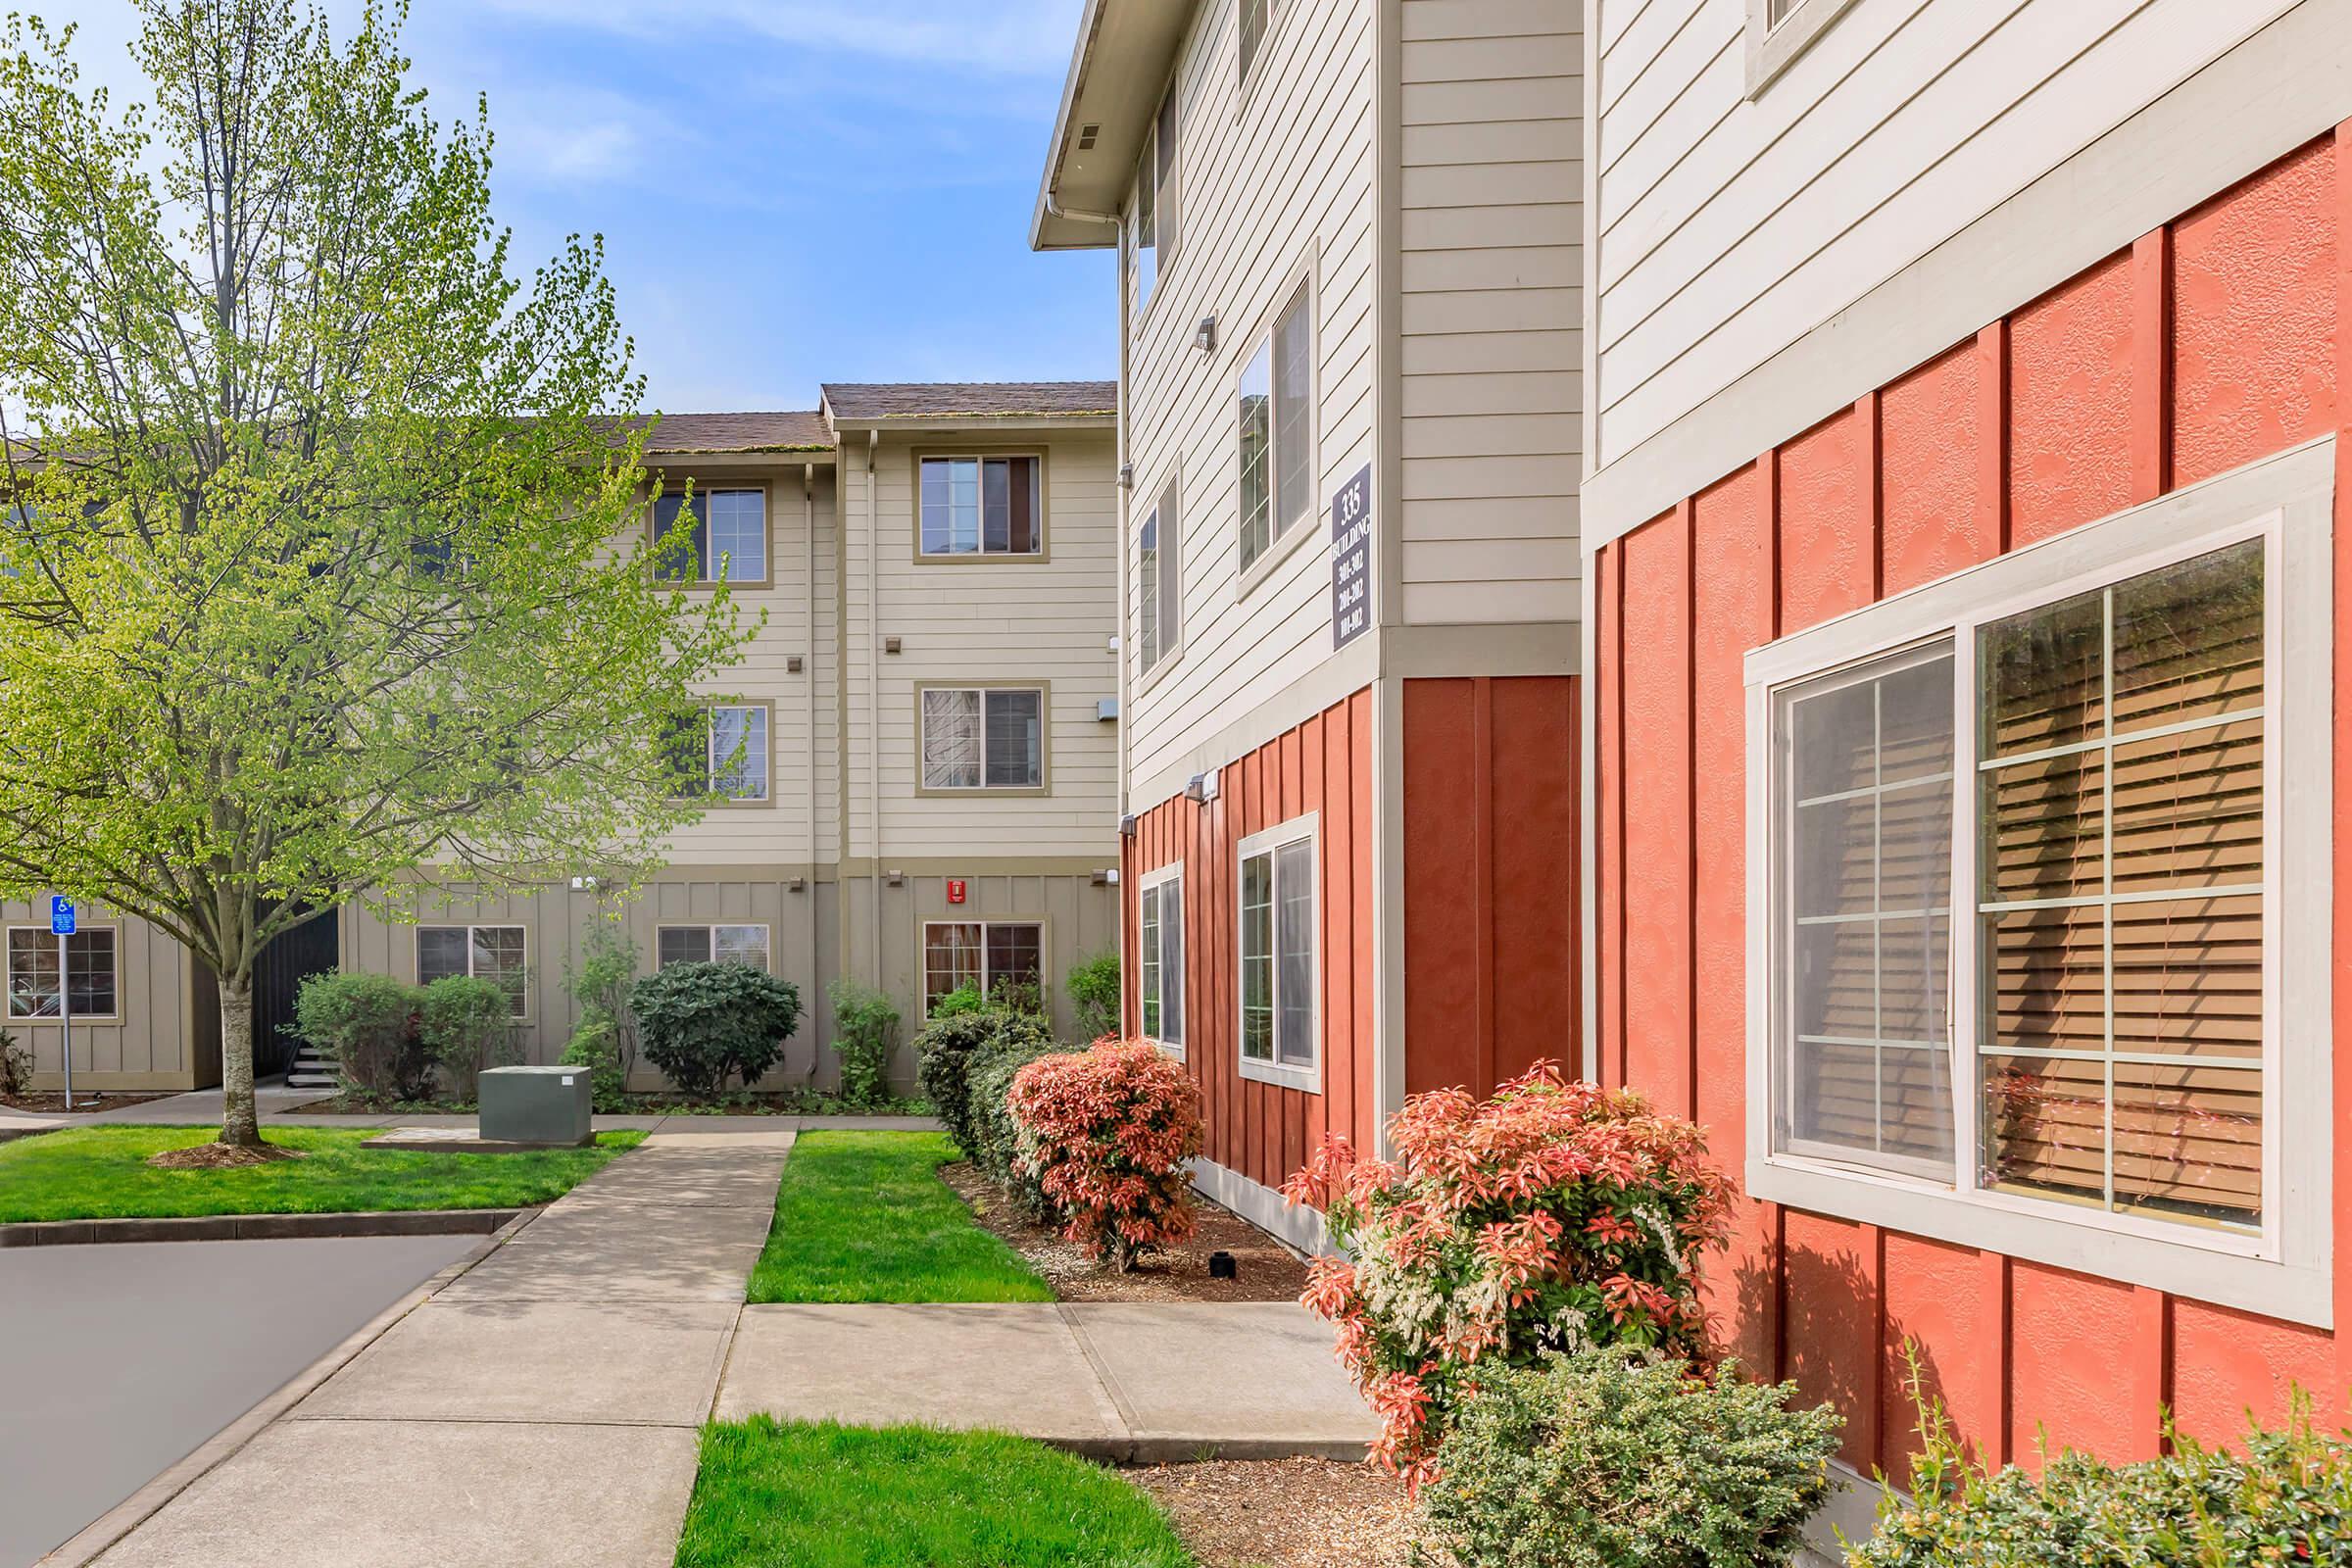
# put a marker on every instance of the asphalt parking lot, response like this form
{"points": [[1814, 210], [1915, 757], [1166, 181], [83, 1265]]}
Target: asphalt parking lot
{"points": [[120, 1359]]}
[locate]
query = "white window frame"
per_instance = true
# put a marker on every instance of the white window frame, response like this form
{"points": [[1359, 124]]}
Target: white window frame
{"points": [[1045, 738], [469, 928], [1164, 599], [988, 981], [1300, 289], [1164, 248], [763, 750], [1307, 1076], [699, 570], [768, 937], [2283, 1269], [1773, 46], [63, 980], [1152, 884], [981, 461]]}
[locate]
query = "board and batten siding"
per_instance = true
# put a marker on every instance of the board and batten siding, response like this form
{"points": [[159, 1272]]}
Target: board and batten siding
{"points": [[1279, 185], [985, 622], [1491, 191], [1729, 227], [156, 1037]]}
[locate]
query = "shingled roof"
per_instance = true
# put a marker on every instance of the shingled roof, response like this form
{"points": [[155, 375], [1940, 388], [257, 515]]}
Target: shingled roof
{"points": [[798, 430], [875, 402]]}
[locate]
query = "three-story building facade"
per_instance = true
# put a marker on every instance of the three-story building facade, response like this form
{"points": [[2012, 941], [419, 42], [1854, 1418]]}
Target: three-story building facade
{"points": [[1348, 313]]}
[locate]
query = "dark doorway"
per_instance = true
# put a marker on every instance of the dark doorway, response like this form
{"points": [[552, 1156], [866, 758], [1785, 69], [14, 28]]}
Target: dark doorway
{"points": [[291, 957]]}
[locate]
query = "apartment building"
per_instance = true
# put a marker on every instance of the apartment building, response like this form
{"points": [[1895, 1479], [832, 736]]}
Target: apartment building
{"points": [[914, 768], [1349, 309], [1966, 390]]}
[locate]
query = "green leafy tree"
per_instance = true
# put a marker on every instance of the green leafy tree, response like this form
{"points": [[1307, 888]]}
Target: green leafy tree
{"points": [[321, 577]]}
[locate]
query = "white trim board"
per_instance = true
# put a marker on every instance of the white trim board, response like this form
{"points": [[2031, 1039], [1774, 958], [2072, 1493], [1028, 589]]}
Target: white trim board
{"points": [[1300, 1228], [2280, 87]]}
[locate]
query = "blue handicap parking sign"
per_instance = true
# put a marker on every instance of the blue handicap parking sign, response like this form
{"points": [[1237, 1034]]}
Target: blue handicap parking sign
{"points": [[61, 915]]}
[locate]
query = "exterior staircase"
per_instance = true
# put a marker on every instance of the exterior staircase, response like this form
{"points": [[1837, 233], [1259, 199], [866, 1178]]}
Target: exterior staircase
{"points": [[310, 1069]]}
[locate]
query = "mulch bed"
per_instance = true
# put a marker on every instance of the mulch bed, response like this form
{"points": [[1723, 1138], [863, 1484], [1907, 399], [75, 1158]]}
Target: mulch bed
{"points": [[84, 1102], [1285, 1513], [220, 1157], [1265, 1271]]}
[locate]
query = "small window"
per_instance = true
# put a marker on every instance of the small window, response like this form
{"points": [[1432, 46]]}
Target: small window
{"points": [[33, 978], [710, 943], [1159, 575], [1251, 15], [725, 536], [1280, 969], [979, 505], [721, 753], [1274, 407], [1152, 222], [494, 952], [984, 738], [1780, 30], [990, 954], [1159, 957]]}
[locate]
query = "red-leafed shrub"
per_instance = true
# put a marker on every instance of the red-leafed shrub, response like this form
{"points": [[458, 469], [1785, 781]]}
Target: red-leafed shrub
{"points": [[1108, 1133], [1554, 1216]]}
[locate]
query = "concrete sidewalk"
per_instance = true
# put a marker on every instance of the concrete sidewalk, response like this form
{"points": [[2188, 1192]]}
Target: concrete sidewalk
{"points": [[1129, 1382], [541, 1408]]}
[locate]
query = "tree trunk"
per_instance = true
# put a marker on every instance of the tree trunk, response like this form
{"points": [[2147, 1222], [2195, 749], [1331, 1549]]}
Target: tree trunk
{"points": [[240, 1120]]}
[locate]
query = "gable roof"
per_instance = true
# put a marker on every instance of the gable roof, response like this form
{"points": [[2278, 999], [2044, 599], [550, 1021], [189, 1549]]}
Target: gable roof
{"points": [[879, 402], [796, 431]]}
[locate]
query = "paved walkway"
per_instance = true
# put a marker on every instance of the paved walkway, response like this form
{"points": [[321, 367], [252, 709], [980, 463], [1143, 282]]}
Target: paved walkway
{"points": [[541, 1406]]}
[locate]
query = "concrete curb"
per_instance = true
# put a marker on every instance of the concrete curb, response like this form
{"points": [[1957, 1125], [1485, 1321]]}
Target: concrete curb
{"points": [[109, 1528], [258, 1227]]}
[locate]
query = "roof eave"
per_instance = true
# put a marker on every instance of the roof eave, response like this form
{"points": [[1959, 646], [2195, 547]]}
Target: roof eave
{"points": [[1102, 420], [1124, 52]]}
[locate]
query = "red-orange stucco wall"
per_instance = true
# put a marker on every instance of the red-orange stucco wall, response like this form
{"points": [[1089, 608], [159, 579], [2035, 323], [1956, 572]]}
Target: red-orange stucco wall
{"points": [[2216, 340], [1265, 1131], [1491, 892]]}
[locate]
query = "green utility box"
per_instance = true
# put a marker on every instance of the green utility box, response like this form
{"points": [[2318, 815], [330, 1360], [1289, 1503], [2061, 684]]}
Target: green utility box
{"points": [[536, 1105]]}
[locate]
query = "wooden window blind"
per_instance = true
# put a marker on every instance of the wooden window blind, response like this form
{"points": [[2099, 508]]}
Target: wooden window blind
{"points": [[2121, 832]]}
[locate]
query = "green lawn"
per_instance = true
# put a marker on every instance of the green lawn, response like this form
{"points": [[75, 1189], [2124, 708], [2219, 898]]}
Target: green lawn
{"points": [[101, 1173], [864, 1217], [833, 1497]]}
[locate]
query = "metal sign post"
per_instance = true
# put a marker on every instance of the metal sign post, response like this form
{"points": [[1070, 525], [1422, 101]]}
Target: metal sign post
{"points": [[61, 921]]}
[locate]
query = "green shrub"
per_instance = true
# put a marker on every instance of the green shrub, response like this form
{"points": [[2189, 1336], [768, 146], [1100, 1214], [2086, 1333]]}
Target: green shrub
{"points": [[16, 1066], [865, 1030], [998, 1139], [2281, 1498], [1094, 986], [1019, 995], [593, 1045], [1604, 1459], [703, 1023], [944, 1054], [965, 997], [365, 1024], [599, 977], [466, 1024]]}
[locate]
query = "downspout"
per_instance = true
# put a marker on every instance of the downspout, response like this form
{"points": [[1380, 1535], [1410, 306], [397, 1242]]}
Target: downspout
{"points": [[1053, 206], [809, 527], [873, 692]]}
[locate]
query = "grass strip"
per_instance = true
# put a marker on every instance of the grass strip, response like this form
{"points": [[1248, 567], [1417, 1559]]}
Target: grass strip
{"points": [[101, 1173], [864, 1217], [826, 1495]]}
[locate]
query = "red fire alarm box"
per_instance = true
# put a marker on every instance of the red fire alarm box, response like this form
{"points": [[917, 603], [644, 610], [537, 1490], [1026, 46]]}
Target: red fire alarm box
{"points": [[955, 891]]}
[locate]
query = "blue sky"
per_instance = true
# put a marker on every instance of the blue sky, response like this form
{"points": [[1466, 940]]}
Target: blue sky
{"points": [[790, 191]]}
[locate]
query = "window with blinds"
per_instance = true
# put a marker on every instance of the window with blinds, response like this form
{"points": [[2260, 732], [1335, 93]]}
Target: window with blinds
{"points": [[2115, 821], [1869, 806], [2120, 828]]}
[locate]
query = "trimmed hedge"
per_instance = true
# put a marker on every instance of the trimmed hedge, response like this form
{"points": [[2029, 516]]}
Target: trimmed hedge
{"points": [[703, 1023], [998, 1145], [1606, 1459], [944, 1055]]}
